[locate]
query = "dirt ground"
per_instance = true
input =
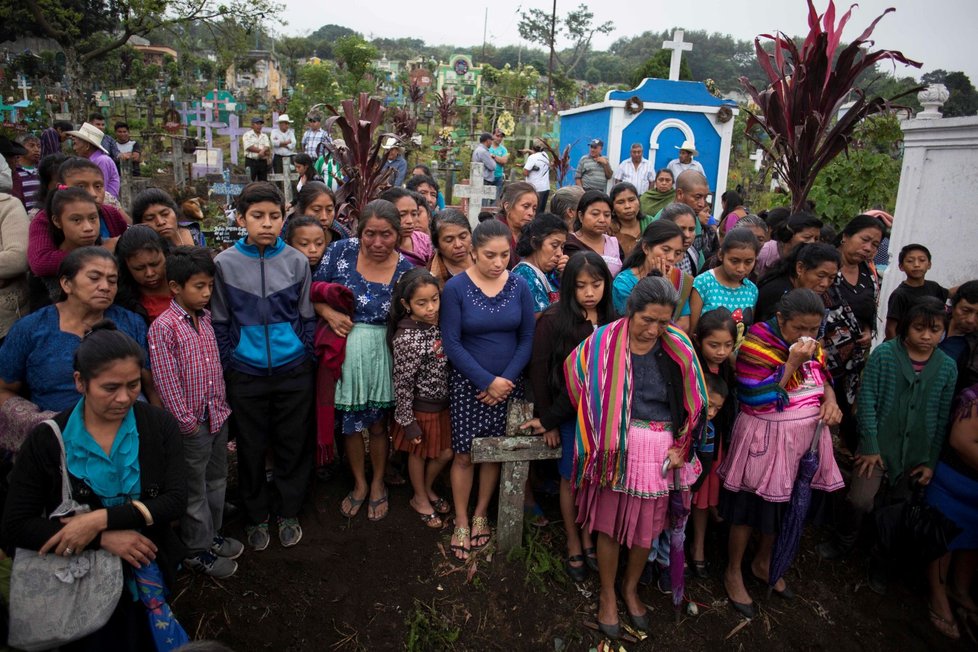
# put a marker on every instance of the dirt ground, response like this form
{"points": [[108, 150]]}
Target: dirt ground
{"points": [[357, 585]]}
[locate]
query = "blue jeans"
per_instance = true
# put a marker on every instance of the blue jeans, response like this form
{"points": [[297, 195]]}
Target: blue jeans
{"points": [[207, 480]]}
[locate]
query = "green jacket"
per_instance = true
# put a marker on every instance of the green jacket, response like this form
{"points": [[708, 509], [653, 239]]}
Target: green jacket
{"points": [[903, 416]]}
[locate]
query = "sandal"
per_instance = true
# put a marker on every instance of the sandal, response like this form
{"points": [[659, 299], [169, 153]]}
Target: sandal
{"points": [[482, 523], [699, 569], [432, 520], [947, 627], [535, 516], [576, 573], [373, 505], [354, 507], [591, 558], [441, 505], [460, 533]]}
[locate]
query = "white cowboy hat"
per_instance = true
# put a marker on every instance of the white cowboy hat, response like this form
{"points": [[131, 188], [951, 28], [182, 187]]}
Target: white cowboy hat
{"points": [[391, 143], [284, 118], [688, 146], [90, 134]]}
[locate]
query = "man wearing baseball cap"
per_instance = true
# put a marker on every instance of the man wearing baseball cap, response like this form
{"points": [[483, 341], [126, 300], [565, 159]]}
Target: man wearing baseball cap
{"points": [[257, 149], [685, 161], [593, 170]]}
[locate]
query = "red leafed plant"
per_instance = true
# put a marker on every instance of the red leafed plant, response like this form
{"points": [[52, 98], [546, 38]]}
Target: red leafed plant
{"points": [[360, 160], [798, 110], [404, 123], [560, 163], [445, 104]]}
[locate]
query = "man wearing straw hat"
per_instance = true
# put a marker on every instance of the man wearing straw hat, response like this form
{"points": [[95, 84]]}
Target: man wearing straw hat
{"points": [[685, 161], [283, 142], [87, 143]]}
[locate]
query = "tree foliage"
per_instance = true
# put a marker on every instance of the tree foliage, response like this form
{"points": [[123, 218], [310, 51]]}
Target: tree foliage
{"points": [[962, 99], [658, 66], [577, 28], [355, 57], [315, 84]]}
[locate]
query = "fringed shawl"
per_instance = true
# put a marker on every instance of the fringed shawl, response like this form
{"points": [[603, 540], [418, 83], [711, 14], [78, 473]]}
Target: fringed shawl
{"points": [[599, 381], [760, 366], [683, 283]]}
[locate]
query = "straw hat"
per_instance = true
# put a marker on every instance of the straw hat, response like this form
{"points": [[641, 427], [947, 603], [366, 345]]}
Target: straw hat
{"points": [[284, 118], [90, 134], [688, 146]]}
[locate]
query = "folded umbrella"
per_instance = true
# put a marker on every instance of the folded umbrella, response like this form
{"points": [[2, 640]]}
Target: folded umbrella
{"points": [[168, 634], [678, 513], [786, 545]]}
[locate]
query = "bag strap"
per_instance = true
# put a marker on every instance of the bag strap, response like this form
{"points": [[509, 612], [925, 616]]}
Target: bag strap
{"points": [[65, 482]]}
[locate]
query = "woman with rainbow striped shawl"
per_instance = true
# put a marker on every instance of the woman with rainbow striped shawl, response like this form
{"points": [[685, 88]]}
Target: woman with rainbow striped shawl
{"points": [[641, 402], [784, 390]]}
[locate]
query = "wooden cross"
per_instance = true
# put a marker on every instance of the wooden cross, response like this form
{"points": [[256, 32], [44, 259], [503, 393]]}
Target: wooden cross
{"points": [[23, 84], [758, 158], [677, 45], [234, 131], [475, 191], [515, 453], [285, 179], [227, 188]]}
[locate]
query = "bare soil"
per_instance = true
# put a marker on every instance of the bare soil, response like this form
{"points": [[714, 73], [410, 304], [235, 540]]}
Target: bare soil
{"points": [[357, 585]]}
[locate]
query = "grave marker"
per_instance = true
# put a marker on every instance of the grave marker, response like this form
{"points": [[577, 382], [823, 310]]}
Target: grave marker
{"points": [[234, 131], [475, 191], [284, 179], [758, 158], [515, 453], [678, 46]]}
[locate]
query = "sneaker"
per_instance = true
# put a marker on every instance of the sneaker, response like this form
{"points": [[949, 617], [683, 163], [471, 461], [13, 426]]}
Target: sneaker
{"points": [[208, 563], [257, 535], [664, 583], [227, 547], [289, 531]]}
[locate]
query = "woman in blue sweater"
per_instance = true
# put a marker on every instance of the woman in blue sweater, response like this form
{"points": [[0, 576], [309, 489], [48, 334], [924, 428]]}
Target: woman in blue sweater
{"points": [[487, 329]]}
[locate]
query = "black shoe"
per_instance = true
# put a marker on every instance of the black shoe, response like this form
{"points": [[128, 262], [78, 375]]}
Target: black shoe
{"points": [[699, 570], [746, 609], [591, 558], [611, 631], [878, 576], [641, 623], [576, 573]]}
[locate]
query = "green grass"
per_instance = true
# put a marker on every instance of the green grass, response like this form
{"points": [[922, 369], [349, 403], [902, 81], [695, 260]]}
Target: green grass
{"points": [[429, 630], [544, 564]]}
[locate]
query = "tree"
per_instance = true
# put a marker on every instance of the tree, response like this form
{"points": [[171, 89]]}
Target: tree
{"points": [[88, 30], [657, 66], [315, 84], [963, 99], [807, 87], [292, 48], [511, 84], [538, 26], [355, 58]]}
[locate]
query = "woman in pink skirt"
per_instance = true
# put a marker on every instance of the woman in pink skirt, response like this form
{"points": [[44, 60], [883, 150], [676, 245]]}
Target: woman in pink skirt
{"points": [[640, 400], [783, 393]]}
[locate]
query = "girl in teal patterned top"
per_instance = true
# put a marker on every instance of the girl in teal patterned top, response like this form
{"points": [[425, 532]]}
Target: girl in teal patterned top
{"points": [[727, 285]]}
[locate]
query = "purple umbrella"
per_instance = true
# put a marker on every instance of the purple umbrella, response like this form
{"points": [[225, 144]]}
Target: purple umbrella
{"points": [[678, 512], [786, 545]]}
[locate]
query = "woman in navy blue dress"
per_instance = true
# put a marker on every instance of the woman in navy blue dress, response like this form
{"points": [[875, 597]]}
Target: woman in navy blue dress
{"points": [[487, 326]]}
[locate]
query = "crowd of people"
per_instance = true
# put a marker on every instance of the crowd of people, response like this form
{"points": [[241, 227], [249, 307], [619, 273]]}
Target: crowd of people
{"points": [[664, 352]]}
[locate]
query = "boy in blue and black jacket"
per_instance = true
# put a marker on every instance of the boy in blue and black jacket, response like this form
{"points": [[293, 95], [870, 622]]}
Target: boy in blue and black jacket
{"points": [[264, 323]]}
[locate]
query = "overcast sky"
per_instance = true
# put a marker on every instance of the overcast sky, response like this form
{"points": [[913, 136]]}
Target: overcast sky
{"points": [[939, 33]]}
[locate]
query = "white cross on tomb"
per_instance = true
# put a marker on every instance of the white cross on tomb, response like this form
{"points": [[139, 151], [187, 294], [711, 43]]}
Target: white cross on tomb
{"points": [[758, 158], [475, 191], [677, 45]]}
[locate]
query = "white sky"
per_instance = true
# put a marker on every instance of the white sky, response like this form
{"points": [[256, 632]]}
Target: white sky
{"points": [[939, 33]]}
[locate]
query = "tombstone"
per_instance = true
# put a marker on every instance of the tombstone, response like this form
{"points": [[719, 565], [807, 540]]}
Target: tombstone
{"points": [[208, 160], [233, 130], [179, 172], [475, 191], [208, 125], [227, 188], [938, 177], [678, 46], [515, 453], [661, 114], [284, 179], [758, 158]]}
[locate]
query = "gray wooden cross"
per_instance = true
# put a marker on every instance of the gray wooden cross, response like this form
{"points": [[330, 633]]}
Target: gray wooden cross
{"points": [[677, 45], [515, 453], [758, 158], [475, 191], [284, 179]]}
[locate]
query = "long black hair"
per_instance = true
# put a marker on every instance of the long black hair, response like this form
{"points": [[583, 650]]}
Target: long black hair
{"points": [[139, 237], [404, 290], [568, 315], [809, 254]]}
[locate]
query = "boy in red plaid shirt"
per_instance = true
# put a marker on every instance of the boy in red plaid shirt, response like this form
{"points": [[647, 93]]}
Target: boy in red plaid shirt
{"points": [[190, 379]]}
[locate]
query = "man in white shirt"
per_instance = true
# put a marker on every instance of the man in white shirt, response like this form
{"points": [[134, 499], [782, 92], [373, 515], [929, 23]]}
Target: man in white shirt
{"points": [[636, 170], [257, 149], [537, 173], [283, 142], [685, 161]]}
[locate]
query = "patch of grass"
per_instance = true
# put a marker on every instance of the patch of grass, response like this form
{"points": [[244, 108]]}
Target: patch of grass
{"points": [[429, 630], [544, 565]]}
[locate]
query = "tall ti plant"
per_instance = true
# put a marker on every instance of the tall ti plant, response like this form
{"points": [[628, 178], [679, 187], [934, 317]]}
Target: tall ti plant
{"points": [[798, 110], [360, 158]]}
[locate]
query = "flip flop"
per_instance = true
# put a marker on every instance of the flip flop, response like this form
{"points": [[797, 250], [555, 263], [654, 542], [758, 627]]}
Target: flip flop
{"points": [[480, 522], [354, 505], [373, 505], [441, 505], [461, 533], [591, 558], [428, 519]]}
